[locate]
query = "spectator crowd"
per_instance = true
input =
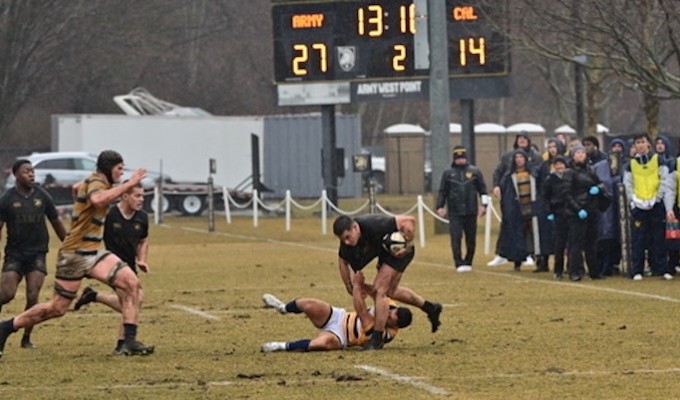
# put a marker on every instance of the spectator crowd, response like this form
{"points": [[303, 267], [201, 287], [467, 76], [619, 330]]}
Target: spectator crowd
{"points": [[595, 213]]}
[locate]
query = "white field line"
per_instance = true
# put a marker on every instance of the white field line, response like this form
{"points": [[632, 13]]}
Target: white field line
{"points": [[213, 315], [404, 379], [257, 239], [642, 371], [448, 266], [195, 311], [580, 286]]}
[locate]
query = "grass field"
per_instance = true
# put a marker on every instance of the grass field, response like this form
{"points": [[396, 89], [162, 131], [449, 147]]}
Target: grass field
{"points": [[505, 335]]}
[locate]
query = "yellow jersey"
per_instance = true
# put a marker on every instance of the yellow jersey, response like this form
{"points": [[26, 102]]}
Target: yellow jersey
{"points": [[358, 335], [87, 224]]}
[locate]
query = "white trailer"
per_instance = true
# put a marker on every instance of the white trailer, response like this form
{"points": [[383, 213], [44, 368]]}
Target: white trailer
{"points": [[180, 147]]}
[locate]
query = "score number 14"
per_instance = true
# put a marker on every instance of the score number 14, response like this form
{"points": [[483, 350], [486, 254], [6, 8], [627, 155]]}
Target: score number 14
{"points": [[471, 46]]}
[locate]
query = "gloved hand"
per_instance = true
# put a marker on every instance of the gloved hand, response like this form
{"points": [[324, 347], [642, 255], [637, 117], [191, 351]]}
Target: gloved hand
{"points": [[582, 214], [594, 190], [551, 217]]}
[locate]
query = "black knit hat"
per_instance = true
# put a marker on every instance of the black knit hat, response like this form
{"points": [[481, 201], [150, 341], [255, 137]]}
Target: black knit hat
{"points": [[459, 152]]}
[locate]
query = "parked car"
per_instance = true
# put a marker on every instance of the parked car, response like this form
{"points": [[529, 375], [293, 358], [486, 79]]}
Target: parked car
{"points": [[63, 169]]}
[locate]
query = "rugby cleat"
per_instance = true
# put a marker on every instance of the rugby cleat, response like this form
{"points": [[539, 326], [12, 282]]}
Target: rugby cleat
{"points": [[118, 350], [136, 348], [4, 334], [272, 301], [89, 295], [434, 317], [26, 343], [270, 347]]}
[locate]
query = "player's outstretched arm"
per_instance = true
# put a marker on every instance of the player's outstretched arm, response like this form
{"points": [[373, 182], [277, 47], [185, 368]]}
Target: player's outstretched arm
{"points": [[359, 300], [345, 274], [105, 197]]}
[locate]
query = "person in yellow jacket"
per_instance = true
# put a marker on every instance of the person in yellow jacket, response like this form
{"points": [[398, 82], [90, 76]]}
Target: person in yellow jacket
{"points": [[645, 181]]}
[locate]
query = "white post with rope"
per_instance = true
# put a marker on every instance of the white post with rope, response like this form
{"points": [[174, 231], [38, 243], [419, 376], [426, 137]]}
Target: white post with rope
{"points": [[288, 210], [421, 221], [227, 200], [487, 226], [255, 209], [157, 205], [324, 212]]}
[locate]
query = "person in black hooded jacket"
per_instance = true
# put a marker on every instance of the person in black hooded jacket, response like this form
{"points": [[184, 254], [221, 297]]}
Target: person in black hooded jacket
{"points": [[555, 148], [458, 191], [582, 186], [553, 196]]}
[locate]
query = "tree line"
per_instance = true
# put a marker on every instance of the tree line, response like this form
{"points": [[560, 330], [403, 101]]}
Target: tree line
{"points": [[73, 56]]}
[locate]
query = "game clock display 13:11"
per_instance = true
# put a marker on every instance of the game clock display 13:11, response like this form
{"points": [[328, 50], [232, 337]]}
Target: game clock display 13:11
{"points": [[373, 40]]}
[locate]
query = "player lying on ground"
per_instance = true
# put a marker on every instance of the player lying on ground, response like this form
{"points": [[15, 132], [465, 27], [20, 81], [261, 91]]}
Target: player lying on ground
{"points": [[339, 328]]}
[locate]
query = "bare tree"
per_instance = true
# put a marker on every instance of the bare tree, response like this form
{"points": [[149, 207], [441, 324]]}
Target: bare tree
{"points": [[33, 37], [637, 41]]}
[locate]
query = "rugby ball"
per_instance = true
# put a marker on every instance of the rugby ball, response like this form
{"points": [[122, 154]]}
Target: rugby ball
{"points": [[394, 241]]}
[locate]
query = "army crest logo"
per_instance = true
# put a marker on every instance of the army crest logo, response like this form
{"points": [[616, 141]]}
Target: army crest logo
{"points": [[347, 57]]}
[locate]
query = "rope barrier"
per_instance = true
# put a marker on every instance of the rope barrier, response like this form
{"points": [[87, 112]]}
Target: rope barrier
{"points": [[324, 205]]}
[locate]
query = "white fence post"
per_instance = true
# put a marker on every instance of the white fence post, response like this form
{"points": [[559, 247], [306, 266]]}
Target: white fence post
{"points": [[287, 210], [227, 199], [156, 203], [324, 212], [487, 227], [255, 209], [421, 221]]}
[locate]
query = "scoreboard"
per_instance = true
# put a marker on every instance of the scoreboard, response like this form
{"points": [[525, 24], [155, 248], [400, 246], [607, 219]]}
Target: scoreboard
{"points": [[355, 40]]}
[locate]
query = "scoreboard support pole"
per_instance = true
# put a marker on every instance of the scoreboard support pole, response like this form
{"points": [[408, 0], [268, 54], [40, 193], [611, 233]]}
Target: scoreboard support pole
{"points": [[439, 90], [440, 111], [329, 155], [467, 111]]}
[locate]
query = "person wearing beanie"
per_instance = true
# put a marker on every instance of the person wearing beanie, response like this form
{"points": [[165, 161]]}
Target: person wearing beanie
{"points": [[662, 147], [645, 181], [592, 145], [460, 187], [576, 147]]}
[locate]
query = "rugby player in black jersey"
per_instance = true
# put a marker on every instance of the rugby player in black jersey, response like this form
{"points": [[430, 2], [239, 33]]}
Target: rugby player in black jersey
{"points": [[23, 209], [361, 241], [126, 232]]}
